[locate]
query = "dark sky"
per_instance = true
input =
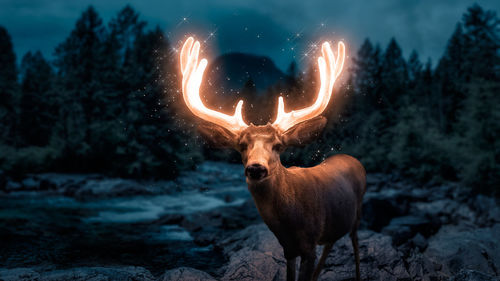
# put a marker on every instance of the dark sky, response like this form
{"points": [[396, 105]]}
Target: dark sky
{"points": [[283, 30]]}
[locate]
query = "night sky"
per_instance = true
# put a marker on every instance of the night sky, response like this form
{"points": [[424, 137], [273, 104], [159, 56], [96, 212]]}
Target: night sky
{"points": [[283, 30]]}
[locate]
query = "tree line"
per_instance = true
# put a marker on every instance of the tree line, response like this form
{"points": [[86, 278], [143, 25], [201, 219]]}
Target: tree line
{"points": [[107, 103], [427, 124], [99, 106]]}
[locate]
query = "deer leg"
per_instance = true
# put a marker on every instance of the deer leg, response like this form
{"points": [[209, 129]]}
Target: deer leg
{"points": [[355, 246], [321, 262], [290, 269], [307, 266]]}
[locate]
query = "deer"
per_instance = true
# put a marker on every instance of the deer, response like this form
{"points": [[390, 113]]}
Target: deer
{"points": [[303, 207]]}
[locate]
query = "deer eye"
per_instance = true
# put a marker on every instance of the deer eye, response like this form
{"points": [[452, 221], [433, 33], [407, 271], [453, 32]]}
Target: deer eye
{"points": [[243, 146]]}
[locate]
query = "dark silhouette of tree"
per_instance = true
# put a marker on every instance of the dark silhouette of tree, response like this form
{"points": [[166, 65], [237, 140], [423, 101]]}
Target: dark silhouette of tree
{"points": [[8, 89], [414, 70], [79, 60], [394, 75], [111, 105], [36, 121], [482, 43], [366, 72], [451, 72]]}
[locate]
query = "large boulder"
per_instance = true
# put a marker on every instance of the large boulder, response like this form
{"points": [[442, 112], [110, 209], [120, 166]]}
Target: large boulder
{"points": [[255, 254], [382, 206], [185, 274], [472, 275], [79, 274], [3, 180], [455, 248], [379, 259], [402, 229]]}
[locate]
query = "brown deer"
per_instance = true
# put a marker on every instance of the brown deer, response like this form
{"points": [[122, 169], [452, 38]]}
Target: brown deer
{"points": [[303, 207]]}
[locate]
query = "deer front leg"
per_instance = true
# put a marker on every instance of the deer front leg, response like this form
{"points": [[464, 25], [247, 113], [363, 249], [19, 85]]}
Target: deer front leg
{"points": [[307, 266], [290, 269]]}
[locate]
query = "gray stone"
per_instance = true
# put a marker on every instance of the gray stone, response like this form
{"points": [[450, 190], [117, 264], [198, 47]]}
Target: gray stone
{"points": [[18, 274], [13, 186], [30, 184], [3, 180], [469, 248], [379, 259], [128, 273], [255, 254], [472, 275], [185, 274], [402, 229]]}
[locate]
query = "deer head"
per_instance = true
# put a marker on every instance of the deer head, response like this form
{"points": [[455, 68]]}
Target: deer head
{"points": [[260, 146]]}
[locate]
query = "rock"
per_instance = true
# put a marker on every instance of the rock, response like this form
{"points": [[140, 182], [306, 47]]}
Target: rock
{"points": [[472, 275], [419, 242], [13, 186], [254, 254], [447, 211], [421, 268], [380, 208], [211, 226], [110, 188], [185, 273], [401, 229], [79, 274], [379, 259], [3, 180], [18, 274], [30, 184], [47, 185], [469, 248], [487, 209]]}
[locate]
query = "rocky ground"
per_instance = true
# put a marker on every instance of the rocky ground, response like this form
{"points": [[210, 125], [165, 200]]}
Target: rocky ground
{"points": [[204, 226]]}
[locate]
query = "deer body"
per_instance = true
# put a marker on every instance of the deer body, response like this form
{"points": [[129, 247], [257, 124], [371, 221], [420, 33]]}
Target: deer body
{"points": [[303, 207]]}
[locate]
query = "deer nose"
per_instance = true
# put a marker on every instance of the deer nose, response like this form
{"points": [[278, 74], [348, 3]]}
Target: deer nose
{"points": [[256, 171]]}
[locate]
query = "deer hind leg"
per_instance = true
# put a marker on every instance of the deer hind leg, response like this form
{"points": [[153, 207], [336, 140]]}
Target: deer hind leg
{"points": [[307, 266], [290, 269], [355, 246], [321, 262]]}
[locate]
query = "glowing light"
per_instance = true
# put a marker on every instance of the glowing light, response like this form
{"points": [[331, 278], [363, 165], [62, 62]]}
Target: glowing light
{"points": [[329, 69], [192, 75]]}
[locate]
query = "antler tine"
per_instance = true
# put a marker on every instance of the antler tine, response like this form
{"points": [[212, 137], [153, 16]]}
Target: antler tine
{"points": [[329, 69], [192, 75]]}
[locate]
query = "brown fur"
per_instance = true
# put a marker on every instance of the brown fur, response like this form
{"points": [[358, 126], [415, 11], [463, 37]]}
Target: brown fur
{"points": [[303, 207]]}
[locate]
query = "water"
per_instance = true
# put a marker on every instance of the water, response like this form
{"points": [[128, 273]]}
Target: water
{"points": [[62, 232]]}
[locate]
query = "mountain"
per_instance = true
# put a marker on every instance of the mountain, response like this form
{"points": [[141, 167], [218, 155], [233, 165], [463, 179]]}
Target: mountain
{"points": [[228, 79], [230, 72]]}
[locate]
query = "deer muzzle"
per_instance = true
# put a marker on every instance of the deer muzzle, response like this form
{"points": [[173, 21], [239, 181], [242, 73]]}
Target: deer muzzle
{"points": [[256, 172]]}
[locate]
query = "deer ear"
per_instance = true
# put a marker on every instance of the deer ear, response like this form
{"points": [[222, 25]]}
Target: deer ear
{"points": [[217, 136], [304, 132]]}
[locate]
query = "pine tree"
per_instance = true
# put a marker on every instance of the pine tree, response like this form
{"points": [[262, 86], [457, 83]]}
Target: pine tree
{"points": [[414, 70], [482, 43], [366, 73], [8, 89], [451, 73], [80, 60], [394, 75], [478, 141], [36, 107]]}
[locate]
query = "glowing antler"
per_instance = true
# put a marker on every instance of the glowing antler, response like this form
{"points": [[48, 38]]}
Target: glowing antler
{"points": [[192, 75], [329, 69]]}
